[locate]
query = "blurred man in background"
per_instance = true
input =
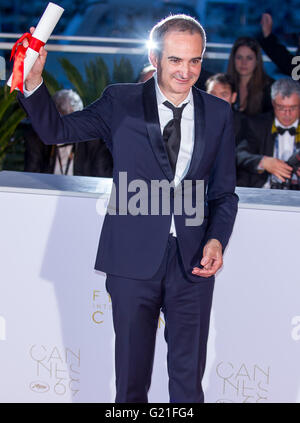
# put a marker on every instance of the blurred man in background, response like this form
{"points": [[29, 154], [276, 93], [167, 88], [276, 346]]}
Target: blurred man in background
{"points": [[221, 85], [85, 159], [271, 140]]}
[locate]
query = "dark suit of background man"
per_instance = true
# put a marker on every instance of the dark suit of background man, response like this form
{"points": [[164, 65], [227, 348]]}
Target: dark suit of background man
{"points": [[153, 261]]}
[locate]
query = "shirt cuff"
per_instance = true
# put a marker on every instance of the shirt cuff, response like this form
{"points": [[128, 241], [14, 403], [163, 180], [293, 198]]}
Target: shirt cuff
{"points": [[260, 168], [29, 93]]}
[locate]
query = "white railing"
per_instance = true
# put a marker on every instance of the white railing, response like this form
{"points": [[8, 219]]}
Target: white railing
{"points": [[113, 49]]}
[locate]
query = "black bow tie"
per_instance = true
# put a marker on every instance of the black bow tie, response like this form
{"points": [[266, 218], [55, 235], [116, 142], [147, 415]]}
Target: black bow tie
{"points": [[282, 130]]}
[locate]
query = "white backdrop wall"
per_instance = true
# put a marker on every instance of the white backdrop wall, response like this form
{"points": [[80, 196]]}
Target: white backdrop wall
{"points": [[56, 335]]}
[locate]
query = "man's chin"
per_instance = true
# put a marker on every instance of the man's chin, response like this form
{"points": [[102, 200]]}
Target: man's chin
{"points": [[287, 123], [182, 86]]}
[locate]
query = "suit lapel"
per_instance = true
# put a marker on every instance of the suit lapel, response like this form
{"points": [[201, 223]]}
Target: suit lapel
{"points": [[199, 119], [153, 127]]}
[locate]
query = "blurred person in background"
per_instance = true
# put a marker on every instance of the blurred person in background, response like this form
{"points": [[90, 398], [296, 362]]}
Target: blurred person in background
{"points": [[85, 159], [245, 66], [204, 75], [277, 52], [271, 140], [221, 85], [146, 73]]}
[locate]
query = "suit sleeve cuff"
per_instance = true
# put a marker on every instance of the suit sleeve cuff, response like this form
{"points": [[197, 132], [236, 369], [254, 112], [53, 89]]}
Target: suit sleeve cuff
{"points": [[260, 167], [29, 93]]}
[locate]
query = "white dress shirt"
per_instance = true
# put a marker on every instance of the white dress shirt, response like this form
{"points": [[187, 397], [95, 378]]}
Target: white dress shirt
{"points": [[28, 93], [64, 159], [187, 134], [286, 141]]}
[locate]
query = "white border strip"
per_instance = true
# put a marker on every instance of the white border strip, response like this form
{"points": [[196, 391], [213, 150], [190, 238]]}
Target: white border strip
{"points": [[116, 40], [81, 38], [115, 50], [85, 49]]}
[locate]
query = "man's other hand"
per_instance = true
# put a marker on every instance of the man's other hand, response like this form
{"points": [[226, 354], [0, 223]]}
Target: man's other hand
{"points": [[212, 259], [266, 24]]}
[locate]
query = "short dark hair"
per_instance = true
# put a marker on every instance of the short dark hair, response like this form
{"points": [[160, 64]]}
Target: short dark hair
{"points": [[181, 23], [285, 87], [221, 78]]}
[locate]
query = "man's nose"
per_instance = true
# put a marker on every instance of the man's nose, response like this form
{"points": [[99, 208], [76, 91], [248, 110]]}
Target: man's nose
{"points": [[287, 111], [185, 70]]}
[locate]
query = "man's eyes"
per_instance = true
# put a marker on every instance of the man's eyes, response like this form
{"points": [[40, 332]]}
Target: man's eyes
{"points": [[176, 60]]}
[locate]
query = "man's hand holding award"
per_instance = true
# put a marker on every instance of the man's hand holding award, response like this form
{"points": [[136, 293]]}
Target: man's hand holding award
{"points": [[29, 53]]}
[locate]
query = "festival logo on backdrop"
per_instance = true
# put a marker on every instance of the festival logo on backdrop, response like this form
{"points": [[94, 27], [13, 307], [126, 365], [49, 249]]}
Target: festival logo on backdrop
{"points": [[101, 306], [55, 370], [243, 383]]}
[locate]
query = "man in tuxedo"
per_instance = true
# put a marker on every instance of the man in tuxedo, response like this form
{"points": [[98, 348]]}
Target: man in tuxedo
{"points": [[167, 132], [270, 140]]}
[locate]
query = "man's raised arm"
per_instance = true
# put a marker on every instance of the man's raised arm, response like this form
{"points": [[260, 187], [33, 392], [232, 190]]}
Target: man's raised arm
{"points": [[93, 122]]}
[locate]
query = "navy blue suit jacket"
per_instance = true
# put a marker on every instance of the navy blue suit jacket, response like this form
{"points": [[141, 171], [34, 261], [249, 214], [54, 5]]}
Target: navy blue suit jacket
{"points": [[126, 118]]}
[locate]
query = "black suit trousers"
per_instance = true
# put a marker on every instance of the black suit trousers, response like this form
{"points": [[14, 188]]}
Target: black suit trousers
{"points": [[136, 308]]}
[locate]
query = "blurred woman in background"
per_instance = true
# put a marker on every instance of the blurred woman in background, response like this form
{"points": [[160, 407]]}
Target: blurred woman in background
{"points": [[245, 66]]}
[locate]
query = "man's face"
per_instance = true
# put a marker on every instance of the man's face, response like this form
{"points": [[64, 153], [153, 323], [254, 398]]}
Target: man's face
{"points": [[222, 91], [287, 109], [180, 64]]}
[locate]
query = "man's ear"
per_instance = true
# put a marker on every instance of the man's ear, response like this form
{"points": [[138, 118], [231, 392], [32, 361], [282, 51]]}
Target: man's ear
{"points": [[153, 58], [233, 98]]}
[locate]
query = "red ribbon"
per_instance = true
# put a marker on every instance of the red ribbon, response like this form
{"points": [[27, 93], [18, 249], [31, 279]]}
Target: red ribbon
{"points": [[18, 53]]}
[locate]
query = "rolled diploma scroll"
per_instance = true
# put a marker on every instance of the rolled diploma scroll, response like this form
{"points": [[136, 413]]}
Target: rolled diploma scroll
{"points": [[42, 32]]}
